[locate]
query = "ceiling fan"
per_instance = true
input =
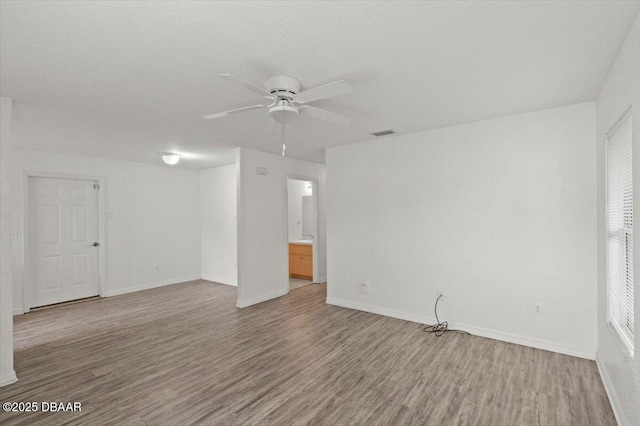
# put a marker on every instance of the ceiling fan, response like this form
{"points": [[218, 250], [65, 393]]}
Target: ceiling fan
{"points": [[287, 101]]}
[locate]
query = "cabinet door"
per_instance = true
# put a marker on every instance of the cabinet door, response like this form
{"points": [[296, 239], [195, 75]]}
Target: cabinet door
{"points": [[307, 266], [295, 264]]}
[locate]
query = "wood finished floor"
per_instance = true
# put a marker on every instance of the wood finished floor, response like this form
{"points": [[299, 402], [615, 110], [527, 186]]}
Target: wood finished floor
{"points": [[184, 354]]}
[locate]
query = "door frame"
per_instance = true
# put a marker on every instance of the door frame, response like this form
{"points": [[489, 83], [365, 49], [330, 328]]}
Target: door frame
{"points": [[314, 189], [102, 214]]}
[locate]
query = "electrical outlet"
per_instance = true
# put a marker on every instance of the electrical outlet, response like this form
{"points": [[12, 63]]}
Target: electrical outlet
{"points": [[440, 292], [364, 286], [537, 308]]}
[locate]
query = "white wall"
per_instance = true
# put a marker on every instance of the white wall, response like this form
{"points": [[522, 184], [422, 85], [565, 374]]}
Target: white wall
{"points": [[262, 224], [498, 214], [219, 234], [620, 91], [297, 189], [155, 212], [7, 374]]}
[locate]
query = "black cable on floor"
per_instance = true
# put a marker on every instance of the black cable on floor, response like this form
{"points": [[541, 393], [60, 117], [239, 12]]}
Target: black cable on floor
{"points": [[441, 327]]}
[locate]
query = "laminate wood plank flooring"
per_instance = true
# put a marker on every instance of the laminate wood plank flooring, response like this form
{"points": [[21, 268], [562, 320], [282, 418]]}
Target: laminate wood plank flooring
{"points": [[184, 354]]}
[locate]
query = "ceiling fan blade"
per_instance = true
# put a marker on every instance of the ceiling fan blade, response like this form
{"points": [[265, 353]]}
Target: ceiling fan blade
{"points": [[331, 117], [233, 111], [250, 86], [328, 90]]}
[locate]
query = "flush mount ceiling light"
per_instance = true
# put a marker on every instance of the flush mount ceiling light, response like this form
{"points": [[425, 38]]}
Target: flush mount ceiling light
{"points": [[170, 158]]}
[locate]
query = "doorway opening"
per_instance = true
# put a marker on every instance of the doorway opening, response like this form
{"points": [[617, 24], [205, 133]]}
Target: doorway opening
{"points": [[302, 230]]}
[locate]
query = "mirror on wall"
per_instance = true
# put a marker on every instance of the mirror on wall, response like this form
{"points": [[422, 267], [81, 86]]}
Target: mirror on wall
{"points": [[301, 210], [308, 231]]}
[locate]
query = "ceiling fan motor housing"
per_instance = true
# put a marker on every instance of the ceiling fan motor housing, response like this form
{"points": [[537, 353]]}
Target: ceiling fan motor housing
{"points": [[283, 87]]}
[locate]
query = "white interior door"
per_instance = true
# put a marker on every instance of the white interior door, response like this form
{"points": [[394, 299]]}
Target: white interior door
{"points": [[63, 227]]}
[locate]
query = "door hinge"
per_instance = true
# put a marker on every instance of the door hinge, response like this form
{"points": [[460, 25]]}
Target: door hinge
{"points": [[96, 185]]}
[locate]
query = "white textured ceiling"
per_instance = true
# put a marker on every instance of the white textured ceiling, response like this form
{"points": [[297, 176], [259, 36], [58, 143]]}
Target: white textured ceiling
{"points": [[145, 72]]}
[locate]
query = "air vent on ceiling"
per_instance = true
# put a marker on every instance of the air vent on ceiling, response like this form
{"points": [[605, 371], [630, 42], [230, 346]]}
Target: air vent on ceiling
{"points": [[383, 133]]}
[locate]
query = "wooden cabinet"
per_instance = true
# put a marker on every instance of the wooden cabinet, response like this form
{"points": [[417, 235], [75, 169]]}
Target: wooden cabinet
{"points": [[301, 261]]}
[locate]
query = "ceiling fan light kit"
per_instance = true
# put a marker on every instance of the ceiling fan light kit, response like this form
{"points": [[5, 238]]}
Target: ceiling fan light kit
{"points": [[283, 112]]}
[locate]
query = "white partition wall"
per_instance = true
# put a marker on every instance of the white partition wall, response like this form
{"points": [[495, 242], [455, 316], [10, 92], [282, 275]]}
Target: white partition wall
{"points": [[219, 233], [262, 224]]}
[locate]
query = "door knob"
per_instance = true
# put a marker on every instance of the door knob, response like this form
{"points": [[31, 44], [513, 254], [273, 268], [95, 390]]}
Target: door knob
{"points": [[96, 244]]}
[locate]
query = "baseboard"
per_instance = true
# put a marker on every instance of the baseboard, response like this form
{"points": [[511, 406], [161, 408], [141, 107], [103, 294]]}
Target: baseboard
{"points": [[611, 393], [478, 331], [260, 299], [219, 280], [380, 311], [148, 286], [322, 280], [8, 378], [526, 341], [18, 311]]}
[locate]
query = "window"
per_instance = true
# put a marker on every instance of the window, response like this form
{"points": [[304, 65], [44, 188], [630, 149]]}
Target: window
{"points": [[620, 231]]}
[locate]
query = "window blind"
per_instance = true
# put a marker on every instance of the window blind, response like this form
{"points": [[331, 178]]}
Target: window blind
{"points": [[620, 230]]}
